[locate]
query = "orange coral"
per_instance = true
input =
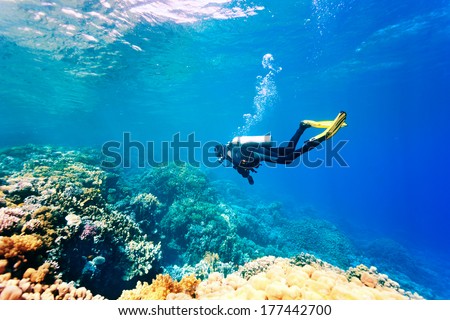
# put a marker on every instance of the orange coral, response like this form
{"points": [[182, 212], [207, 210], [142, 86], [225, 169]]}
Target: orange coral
{"points": [[368, 280], [18, 244], [187, 285], [37, 275], [3, 264], [161, 287]]}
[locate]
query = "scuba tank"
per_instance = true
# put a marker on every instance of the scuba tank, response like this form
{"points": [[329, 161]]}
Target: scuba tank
{"points": [[264, 141], [234, 145]]}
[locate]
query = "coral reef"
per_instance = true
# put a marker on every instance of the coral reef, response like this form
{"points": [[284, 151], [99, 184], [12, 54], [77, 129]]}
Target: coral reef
{"points": [[270, 278], [190, 218], [70, 229], [57, 200], [196, 227]]}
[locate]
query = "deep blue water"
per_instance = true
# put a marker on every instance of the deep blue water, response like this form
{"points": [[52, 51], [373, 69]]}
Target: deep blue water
{"points": [[192, 71]]}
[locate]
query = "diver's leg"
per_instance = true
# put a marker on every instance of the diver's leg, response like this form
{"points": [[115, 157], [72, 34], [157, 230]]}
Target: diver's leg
{"points": [[290, 148], [294, 140], [271, 154], [290, 157]]}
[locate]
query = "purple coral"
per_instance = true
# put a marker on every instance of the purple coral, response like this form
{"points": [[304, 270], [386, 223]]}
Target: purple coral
{"points": [[89, 230], [9, 217]]}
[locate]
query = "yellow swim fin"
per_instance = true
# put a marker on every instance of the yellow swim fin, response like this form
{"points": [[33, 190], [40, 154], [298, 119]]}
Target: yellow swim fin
{"points": [[331, 128], [321, 124]]}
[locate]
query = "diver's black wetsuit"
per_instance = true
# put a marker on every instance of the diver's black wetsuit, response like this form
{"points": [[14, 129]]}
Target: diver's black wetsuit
{"points": [[248, 156]]}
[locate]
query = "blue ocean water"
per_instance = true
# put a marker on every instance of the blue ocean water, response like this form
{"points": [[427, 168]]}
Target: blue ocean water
{"points": [[82, 73]]}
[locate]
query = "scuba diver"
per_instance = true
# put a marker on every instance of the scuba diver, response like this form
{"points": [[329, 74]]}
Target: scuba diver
{"points": [[246, 153]]}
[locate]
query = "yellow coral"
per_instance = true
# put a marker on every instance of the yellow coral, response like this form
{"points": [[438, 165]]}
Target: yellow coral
{"points": [[260, 281], [18, 244], [187, 285], [161, 287]]}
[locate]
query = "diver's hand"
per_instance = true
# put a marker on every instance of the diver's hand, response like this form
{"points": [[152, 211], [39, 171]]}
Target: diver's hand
{"points": [[250, 180]]}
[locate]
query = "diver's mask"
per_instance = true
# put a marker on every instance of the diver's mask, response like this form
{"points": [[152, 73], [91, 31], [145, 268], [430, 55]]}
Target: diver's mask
{"points": [[220, 151]]}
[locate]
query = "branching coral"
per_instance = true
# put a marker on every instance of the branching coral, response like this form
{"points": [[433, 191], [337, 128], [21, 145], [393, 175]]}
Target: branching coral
{"points": [[209, 264], [141, 255], [144, 205], [145, 209], [173, 182]]}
